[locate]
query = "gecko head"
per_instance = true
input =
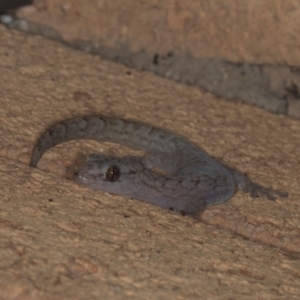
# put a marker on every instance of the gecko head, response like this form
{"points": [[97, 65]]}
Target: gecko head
{"points": [[110, 174]]}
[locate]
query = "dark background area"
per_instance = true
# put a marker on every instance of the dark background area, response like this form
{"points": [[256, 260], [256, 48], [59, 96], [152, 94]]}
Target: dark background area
{"points": [[6, 5]]}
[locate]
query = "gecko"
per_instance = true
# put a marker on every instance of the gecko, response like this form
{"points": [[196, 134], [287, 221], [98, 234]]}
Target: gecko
{"points": [[175, 174]]}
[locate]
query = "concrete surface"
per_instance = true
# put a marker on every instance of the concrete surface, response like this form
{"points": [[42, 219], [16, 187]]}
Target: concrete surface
{"points": [[62, 241], [254, 31], [236, 50]]}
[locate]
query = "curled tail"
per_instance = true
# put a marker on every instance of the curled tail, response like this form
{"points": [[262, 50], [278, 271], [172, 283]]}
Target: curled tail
{"points": [[132, 134]]}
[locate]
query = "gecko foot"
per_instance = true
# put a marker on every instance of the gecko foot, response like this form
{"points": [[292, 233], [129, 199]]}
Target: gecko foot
{"points": [[254, 189]]}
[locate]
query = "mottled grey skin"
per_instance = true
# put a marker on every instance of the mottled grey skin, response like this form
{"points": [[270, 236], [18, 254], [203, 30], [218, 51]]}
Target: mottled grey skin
{"points": [[190, 181]]}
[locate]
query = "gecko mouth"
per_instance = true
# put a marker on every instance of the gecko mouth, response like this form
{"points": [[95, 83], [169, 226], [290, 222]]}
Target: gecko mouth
{"points": [[81, 178]]}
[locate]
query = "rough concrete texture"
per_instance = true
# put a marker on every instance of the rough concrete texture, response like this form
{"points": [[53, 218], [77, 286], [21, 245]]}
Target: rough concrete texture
{"points": [[62, 241], [255, 31], [234, 49]]}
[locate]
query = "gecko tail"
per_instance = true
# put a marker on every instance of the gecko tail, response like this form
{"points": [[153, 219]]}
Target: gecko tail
{"points": [[61, 132]]}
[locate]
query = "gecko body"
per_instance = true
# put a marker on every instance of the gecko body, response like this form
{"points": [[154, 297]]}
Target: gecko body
{"points": [[190, 179]]}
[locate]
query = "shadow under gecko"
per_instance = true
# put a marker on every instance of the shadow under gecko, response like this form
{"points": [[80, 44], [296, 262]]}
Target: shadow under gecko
{"points": [[192, 180]]}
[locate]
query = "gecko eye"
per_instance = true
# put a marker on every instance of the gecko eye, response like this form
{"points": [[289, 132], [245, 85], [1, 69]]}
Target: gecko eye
{"points": [[113, 173]]}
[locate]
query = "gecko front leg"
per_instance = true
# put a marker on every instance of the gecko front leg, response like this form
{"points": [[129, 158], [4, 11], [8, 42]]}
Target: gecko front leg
{"points": [[166, 162]]}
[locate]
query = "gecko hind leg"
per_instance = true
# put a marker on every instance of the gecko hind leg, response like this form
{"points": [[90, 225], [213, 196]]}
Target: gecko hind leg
{"points": [[254, 189]]}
